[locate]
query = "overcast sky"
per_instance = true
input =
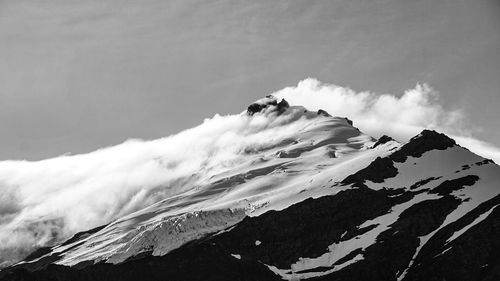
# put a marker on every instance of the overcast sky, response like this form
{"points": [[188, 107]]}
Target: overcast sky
{"points": [[79, 75]]}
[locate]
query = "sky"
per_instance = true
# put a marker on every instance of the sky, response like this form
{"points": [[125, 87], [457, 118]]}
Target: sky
{"points": [[76, 76]]}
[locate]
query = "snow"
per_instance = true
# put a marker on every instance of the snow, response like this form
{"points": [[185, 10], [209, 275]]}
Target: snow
{"points": [[356, 258], [476, 221], [339, 250], [445, 164], [222, 194], [291, 275], [160, 236], [257, 183], [434, 163]]}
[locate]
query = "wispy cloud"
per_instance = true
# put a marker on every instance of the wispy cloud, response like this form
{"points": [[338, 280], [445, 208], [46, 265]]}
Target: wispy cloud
{"points": [[401, 117], [43, 201]]}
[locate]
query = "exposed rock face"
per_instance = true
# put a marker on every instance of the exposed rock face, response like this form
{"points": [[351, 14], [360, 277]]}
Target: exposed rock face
{"points": [[383, 139], [282, 105], [281, 238], [377, 171], [323, 113], [325, 220], [81, 235], [471, 256], [449, 186], [267, 102], [427, 140], [381, 222], [197, 261], [423, 182], [383, 168]]}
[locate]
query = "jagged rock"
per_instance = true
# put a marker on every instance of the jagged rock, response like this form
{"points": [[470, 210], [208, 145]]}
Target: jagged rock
{"points": [[281, 235], [484, 162], [423, 182], [256, 107], [427, 140], [473, 255], [307, 229], [383, 139], [379, 170], [268, 101], [383, 168], [283, 105], [332, 154], [323, 113], [302, 224], [448, 186]]}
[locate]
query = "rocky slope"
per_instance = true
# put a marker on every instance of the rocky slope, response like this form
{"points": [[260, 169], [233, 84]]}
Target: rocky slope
{"points": [[326, 203]]}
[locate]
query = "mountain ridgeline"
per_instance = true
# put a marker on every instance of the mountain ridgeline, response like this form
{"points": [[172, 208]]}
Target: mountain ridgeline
{"points": [[326, 203]]}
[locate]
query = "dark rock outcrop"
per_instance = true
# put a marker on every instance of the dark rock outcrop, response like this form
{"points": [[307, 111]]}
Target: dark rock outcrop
{"points": [[283, 105], [383, 139], [379, 170], [82, 235], [383, 168], [426, 141], [423, 182], [323, 113], [306, 229], [279, 238], [449, 186], [267, 102], [473, 255], [197, 261]]}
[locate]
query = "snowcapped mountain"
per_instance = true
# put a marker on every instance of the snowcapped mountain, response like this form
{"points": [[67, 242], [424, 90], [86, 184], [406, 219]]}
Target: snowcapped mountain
{"points": [[308, 197]]}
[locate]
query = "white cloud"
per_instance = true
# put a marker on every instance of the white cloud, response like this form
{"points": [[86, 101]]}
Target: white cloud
{"points": [[399, 117], [51, 199]]}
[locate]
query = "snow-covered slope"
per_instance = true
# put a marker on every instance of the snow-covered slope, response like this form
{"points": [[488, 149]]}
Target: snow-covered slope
{"points": [[319, 150], [324, 202]]}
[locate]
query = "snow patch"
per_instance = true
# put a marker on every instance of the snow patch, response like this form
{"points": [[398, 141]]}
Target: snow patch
{"points": [[476, 221]]}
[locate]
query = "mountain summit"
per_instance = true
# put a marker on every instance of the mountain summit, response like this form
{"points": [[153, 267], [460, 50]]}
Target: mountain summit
{"points": [[306, 196]]}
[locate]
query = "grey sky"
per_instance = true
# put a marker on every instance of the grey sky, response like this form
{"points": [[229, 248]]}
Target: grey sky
{"points": [[79, 75]]}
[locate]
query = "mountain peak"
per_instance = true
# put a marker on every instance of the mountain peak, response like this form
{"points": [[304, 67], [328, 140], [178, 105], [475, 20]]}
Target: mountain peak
{"points": [[435, 137], [268, 103], [248, 220], [382, 140], [425, 141], [383, 167], [323, 113]]}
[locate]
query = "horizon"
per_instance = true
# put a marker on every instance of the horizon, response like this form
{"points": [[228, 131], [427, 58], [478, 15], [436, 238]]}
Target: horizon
{"points": [[84, 75]]}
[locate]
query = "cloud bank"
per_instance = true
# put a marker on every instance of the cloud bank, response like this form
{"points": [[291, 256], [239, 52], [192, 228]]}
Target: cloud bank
{"points": [[399, 117], [45, 201]]}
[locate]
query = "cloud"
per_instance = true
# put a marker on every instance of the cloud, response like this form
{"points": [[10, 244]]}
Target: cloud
{"points": [[45, 201], [378, 114]]}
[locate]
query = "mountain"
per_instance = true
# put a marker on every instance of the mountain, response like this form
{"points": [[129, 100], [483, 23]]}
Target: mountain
{"points": [[325, 202]]}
